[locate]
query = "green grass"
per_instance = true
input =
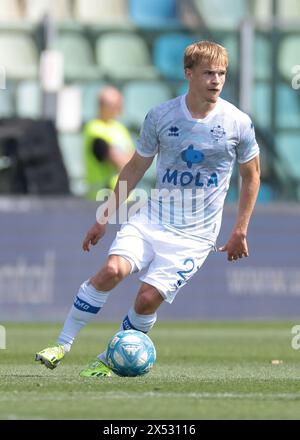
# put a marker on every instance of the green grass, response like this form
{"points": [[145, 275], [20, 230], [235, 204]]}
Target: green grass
{"points": [[203, 371]]}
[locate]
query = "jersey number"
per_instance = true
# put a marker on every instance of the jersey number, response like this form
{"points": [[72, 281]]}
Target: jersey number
{"points": [[190, 264]]}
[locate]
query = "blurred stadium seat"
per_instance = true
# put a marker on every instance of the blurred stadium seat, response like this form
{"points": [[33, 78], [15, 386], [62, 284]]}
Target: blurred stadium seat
{"points": [[102, 12], [262, 53], [261, 102], [222, 15], [7, 101], [287, 146], [19, 55], [123, 56], [288, 54], [28, 99], [288, 108], [140, 97], [168, 54], [262, 57], [183, 88], [10, 11], [79, 61], [230, 40], [261, 9], [266, 193], [289, 9], [71, 147], [154, 13], [60, 10], [139, 47]]}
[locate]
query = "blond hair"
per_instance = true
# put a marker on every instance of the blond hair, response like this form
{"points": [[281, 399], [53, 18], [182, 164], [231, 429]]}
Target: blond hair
{"points": [[205, 51]]}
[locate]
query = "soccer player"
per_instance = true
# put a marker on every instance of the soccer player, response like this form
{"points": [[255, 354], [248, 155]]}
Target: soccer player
{"points": [[197, 137]]}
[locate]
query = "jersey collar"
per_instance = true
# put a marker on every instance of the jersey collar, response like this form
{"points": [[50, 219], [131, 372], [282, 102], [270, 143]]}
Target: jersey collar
{"points": [[189, 116]]}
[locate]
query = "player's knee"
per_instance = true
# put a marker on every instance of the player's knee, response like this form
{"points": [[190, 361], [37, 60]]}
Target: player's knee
{"points": [[108, 277]]}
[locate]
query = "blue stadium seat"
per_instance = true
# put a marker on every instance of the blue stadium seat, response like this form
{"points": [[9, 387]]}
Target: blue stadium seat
{"points": [[266, 193], [168, 54], [229, 92], [288, 107], [230, 41], [287, 146], [140, 97], [232, 194], [183, 88], [154, 13], [261, 101], [262, 57]]}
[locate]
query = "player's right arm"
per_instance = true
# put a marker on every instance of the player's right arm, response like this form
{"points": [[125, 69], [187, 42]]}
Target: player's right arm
{"points": [[132, 173]]}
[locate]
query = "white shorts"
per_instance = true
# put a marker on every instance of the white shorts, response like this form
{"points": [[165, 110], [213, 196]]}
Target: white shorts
{"points": [[172, 259]]}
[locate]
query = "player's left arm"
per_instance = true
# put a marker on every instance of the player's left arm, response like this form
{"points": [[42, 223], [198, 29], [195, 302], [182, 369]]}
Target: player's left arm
{"points": [[237, 247]]}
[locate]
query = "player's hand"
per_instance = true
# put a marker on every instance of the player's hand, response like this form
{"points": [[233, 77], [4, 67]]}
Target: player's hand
{"points": [[93, 236], [236, 247]]}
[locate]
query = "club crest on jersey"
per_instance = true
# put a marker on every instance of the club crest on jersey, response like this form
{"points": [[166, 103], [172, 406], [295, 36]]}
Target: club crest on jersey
{"points": [[218, 132], [191, 156], [173, 131]]}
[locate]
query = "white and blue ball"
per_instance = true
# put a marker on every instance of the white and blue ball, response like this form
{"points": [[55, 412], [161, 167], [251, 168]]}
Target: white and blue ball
{"points": [[130, 353]]}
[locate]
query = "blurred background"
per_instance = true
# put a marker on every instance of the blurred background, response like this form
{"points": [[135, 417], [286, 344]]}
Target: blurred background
{"points": [[56, 57]]}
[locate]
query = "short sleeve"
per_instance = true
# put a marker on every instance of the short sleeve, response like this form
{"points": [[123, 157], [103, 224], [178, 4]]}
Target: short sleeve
{"points": [[247, 148], [147, 144]]}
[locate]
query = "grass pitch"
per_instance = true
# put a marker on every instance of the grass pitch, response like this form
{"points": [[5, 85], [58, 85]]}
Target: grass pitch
{"points": [[203, 371]]}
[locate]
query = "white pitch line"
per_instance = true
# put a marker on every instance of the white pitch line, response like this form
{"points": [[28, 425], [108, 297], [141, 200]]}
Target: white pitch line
{"points": [[150, 394]]}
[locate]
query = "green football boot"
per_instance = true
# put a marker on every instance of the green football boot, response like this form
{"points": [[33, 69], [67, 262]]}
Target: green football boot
{"points": [[96, 368], [51, 356]]}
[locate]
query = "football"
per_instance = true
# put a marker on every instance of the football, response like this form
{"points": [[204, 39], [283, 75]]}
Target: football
{"points": [[130, 353]]}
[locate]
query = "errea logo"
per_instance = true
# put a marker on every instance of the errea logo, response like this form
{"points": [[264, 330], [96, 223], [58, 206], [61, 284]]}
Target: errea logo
{"points": [[173, 131]]}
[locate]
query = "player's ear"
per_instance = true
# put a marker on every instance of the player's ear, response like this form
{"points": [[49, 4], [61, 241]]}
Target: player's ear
{"points": [[188, 73]]}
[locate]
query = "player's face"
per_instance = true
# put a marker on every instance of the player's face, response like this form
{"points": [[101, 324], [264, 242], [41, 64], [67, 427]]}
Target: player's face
{"points": [[206, 81]]}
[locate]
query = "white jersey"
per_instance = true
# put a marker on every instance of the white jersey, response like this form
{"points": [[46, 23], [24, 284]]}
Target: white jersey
{"points": [[195, 159]]}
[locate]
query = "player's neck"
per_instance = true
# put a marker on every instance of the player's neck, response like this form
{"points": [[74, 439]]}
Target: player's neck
{"points": [[198, 107]]}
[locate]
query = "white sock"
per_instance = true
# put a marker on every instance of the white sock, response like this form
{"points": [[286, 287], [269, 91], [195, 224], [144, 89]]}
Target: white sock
{"points": [[87, 304], [134, 321]]}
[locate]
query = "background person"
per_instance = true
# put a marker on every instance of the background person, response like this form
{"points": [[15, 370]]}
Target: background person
{"points": [[108, 145]]}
